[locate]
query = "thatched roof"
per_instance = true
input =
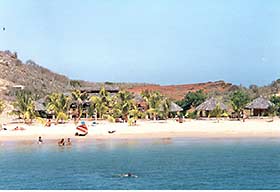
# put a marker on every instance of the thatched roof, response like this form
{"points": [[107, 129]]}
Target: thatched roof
{"points": [[210, 105], [97, 88], [39, 105], [259, 103], [138, 98], [175, 108]]}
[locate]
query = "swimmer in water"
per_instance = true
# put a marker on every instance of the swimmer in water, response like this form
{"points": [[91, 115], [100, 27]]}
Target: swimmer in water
{"points": [[127, 175]]}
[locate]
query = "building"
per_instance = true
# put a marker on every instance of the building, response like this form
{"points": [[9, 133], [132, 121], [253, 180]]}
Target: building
{"points": [[205, 108], [259, 106]]}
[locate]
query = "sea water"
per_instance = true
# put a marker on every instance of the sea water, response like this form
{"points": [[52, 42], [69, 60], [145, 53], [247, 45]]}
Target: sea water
{"points": [[187, 163]]}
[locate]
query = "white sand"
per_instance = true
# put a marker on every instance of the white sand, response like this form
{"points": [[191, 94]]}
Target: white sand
{"points": [[150, 129]]}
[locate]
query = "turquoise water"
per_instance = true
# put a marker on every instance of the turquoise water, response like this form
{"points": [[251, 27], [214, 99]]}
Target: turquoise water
{"points": [[159, 164]]}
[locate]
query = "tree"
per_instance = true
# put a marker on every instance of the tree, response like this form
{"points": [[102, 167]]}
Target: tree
{"points": [[239, 99], [192, 99], [165, 108], [59, 104], [217, 112], [98, 106], [124, 103], [78, 98], [2, 106], [24, 106], [276, 101], [105, 96], [154, 100], [75, 83], [272, 111]]}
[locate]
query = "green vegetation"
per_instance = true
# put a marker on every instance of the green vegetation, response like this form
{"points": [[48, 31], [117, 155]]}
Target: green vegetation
{"points": [[192, 100], [75, 83], [2, 106], [276, 101], [124, 104], [239, 99], [78, 98], [24, 106], [109, 83], [217, 112], [158, 105], [272, 111], [58, 104]]}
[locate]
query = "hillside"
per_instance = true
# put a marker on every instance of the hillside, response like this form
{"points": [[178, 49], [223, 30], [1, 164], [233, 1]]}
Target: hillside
{"points": [[177, 92], [34, 77], [42, 81]]}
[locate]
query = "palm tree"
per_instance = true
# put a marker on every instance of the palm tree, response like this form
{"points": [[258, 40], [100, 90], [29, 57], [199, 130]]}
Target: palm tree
{"points": [[78, 98], [134, 113], [154, 100], [124, 103], [2, 106], [165, 107], [59, 104], [105, 96], [24, 106], [217, 112], [99, 106]]}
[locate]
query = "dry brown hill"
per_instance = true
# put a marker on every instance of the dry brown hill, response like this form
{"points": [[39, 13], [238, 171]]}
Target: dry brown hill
{"points": [[177, 92], [34, 77]]}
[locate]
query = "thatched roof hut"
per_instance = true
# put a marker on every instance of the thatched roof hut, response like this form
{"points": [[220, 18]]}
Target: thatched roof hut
{"points": [[259, 103], [172, 108], [138, 98], [39, 105], [175, 108], [210, 105], [259, 106]]}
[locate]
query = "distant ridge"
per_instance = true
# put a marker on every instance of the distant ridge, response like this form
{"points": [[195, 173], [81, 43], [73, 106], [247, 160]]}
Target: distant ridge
{"points": [[177, 92], [43, 81]]}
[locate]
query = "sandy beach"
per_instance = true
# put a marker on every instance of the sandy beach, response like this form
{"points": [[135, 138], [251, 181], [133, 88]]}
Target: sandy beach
{"points": [[252, 128]]}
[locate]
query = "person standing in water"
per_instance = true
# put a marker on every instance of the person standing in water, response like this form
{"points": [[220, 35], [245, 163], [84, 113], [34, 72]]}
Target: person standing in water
{"points": [[61, 142], [40, 141], [69, 142]]}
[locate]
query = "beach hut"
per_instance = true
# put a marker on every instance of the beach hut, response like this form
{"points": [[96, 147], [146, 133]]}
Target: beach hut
{"points": [[39, 105], [140, 102], [175, 108], [209, 105], [41, 109], [259, 106]]}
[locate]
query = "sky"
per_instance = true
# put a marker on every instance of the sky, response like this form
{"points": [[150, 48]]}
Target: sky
{"points": [[159, 41]]}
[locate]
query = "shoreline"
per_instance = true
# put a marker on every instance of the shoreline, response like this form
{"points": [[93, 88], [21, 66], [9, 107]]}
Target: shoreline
{"points": [[253, 128]]}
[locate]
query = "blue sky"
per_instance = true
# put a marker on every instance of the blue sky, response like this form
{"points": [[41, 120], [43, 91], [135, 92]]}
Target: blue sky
{"points": [[159, 41]]}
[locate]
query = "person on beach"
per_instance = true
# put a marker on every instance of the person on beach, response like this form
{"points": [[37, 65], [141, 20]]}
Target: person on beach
{"points": [[18, 128], [111, 132], [3, 127], [61, 142], [40, 141], [49, 123]]}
